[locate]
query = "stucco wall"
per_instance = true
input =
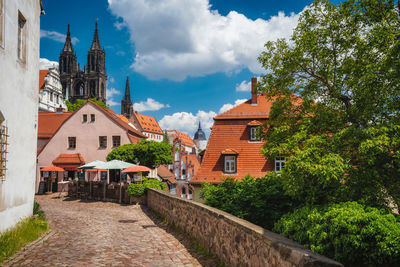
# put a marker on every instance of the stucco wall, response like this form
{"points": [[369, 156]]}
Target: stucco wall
{"points": [[235, 241], [87, 137], [19, 105]]}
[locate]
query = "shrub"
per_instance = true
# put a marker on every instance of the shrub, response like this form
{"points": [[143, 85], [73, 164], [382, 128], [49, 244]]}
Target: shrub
{"points": [[347, 232], [37, 211], [261, 201], [138, 190]]}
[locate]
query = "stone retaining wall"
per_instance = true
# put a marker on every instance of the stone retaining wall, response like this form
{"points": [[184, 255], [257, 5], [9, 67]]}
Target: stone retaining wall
{"points": [[235, 241]]}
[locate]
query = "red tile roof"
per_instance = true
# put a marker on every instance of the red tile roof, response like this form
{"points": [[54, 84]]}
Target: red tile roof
{"points": [[247, 110], [69, 160], [232, 136], [42, 75], [185, 139], [148, 123], [165, 174], [49, 122]]}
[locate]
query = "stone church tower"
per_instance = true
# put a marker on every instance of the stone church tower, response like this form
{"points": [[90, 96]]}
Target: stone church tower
{"points": [[87, 83], [126, 102]]}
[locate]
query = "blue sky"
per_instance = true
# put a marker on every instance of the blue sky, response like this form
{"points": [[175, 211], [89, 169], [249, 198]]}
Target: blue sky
{"points": [[187, 60]]}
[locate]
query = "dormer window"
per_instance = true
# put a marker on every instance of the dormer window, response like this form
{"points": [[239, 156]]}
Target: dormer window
{"points": [[254, 130], [279, 163], [230, 163], [230, 160], [254, 134]]}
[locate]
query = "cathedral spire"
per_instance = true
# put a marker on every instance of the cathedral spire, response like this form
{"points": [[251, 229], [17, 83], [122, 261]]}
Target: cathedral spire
{"points": [[96, 42], [127, 95], [68, 43]]}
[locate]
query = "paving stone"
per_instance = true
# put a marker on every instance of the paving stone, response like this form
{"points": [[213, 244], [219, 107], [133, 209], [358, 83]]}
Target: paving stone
{"points": [[86, 233]]}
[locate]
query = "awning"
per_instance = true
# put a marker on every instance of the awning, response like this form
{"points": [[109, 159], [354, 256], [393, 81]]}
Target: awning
{"points": [[52, 169], [96, 170], [137, 168]]}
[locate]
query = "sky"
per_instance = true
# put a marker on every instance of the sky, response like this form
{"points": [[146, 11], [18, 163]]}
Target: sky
{"points": [[187, 60]]}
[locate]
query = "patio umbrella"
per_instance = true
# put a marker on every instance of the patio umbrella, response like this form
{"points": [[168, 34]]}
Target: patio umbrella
{"points": [[113, 165], [137, 168], [52, 169], [91, 165]]}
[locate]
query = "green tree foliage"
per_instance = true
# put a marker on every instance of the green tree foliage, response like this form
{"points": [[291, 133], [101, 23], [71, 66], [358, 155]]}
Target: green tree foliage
{"points": [[138, 190], [348, 232], [165, 137], [80, 102], [147, 153], [335, 87], [260, 201]]}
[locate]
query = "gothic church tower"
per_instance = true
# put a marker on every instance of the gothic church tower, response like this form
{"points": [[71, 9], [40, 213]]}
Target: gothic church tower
{"points": [[67, 65], [126, 102], [87, 83]]}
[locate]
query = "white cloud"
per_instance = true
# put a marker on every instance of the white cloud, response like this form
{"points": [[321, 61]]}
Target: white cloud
{"points": [[111, 79], [56, 36], [149, 105], [228, 106], [111, 93], [244, 86], [175, 39], [45, 64], [188, 122]]}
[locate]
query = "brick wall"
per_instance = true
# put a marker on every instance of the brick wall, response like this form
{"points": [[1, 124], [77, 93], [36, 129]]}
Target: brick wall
{"points": [[235, 241]]}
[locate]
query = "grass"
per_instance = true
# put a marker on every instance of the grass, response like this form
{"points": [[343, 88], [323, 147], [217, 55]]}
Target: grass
{"points": [[24, 232]]}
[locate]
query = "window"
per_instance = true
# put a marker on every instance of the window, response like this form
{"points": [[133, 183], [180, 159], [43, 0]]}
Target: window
{"points": [[92, 117], [254, 136], [3, 149], [51, 97], [21, 37], [84, 118], [102, 141], [58, 99], [1, 22], [230, 164], [72, 142], [279, 163], [116, 141], [183, 194]]}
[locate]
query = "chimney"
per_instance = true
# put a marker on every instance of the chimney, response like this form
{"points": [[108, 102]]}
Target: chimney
{"points": [[254, 91]]}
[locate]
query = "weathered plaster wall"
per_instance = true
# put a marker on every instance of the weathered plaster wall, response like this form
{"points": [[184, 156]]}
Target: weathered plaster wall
{"points": [[19, 105], [235, 241]]}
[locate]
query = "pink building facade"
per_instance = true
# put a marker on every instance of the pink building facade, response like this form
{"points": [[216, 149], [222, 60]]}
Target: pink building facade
{"points": [[88, 134]]}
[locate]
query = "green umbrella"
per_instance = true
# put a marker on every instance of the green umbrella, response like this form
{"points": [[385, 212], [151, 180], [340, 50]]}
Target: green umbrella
{"points": [[91, 165], [113, 165]]}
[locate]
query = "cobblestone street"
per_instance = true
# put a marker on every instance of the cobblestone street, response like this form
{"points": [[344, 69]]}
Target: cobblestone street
{"points": [[106, 234]]}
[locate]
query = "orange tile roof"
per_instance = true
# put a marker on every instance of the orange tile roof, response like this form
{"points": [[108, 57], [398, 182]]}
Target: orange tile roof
{"points": [[49, 122], [123, 118], [254, 123], [148, 123], [232, 136], [248, 111], [71, 160], [166, 174], [42, 75], [185, 139]]}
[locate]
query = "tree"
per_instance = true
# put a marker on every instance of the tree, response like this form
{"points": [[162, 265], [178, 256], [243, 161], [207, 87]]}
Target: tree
{"points": [[335, 87], [147, 153], [165, 137], [80, 102], [261, 201]]}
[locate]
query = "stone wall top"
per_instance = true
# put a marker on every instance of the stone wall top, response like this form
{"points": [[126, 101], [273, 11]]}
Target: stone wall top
{"points": [[235, 241]]}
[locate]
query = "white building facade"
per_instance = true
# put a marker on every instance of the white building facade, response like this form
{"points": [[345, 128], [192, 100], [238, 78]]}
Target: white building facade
{"points": [[50, 92], [19, 66]]}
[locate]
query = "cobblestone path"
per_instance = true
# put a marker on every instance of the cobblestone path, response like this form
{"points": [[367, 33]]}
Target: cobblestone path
{"points": [[106, 234]]}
